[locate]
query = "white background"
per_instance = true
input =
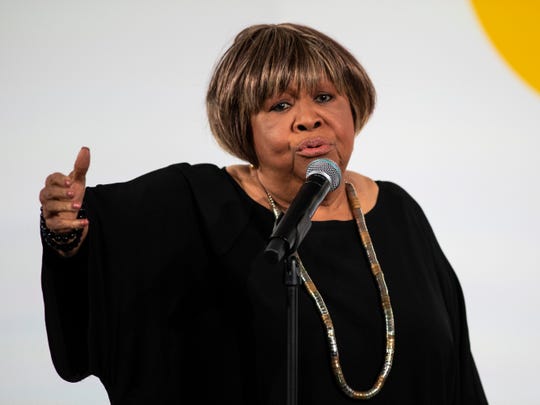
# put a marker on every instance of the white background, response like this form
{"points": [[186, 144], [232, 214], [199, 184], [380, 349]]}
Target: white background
{"points": [[454, 126]]}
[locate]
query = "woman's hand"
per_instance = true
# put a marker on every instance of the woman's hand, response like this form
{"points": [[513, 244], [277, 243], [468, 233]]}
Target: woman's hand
{"points": [[62, 197]]}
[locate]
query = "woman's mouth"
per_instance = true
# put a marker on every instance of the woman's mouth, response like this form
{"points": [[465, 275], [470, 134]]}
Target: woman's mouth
{"points": [[313, 147]]}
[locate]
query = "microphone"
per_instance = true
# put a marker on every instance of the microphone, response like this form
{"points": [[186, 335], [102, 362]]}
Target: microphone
{"points": [[322, 176]]}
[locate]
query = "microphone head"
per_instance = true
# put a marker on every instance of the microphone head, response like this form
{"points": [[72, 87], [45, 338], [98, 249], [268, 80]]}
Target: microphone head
{"points": [[328, 168]]}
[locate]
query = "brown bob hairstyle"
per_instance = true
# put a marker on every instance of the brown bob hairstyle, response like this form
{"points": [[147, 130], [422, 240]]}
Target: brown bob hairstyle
{"points": [[264, 60]]}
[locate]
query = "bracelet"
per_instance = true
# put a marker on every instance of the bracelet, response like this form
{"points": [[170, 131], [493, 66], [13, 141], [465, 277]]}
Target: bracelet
{"points": [[65, 241]]}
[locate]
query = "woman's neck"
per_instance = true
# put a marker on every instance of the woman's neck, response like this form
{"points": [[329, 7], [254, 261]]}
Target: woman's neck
{"points": [[335, 206]]}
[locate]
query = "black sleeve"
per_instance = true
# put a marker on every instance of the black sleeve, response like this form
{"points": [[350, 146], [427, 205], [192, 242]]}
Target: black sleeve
{"points": [[107, 309], [468, 385], [469, 389], [138, 306], [65, 293]]}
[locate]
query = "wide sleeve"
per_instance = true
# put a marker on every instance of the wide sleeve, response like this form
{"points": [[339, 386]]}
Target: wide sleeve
{"points": [[107, 309], [469, 388], [139, 305], [467, 382], [65, 293]]}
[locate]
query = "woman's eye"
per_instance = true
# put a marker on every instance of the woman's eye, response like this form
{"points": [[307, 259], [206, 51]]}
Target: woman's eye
{"points": [[323, 98], [281, 106]]}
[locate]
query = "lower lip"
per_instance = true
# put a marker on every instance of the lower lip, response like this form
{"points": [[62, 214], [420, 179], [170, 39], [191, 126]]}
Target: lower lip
{"points": [[313, 152]]}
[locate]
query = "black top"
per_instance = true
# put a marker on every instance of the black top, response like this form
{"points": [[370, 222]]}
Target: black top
{"points": [[170, 298]]}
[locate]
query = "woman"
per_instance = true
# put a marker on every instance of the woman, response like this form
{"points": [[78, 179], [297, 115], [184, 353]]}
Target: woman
{"points": [[162, 290]]}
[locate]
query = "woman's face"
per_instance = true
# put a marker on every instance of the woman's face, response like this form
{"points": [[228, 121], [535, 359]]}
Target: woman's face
{"points": [[292, 129]]}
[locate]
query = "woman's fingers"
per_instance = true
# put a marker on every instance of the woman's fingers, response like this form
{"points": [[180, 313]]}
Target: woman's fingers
{"points": [[82, 163], [54, 207], [57, 179], [49, 193], [61, 198], [61, 223]]}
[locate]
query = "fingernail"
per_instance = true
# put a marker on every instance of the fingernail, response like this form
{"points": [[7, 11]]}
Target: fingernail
{"points": [[67, 182], [70, 193], [76, 205]]}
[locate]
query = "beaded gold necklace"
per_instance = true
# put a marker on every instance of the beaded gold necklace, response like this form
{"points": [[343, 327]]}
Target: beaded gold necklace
{"points": [[376, 270]]}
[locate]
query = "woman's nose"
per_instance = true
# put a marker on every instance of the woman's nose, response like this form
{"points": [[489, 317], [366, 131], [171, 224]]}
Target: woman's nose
{"points": [[308, 125], [307, 118]]}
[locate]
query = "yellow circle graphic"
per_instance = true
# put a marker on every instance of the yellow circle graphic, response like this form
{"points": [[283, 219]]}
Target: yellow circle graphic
{"points": [[513, 27]]}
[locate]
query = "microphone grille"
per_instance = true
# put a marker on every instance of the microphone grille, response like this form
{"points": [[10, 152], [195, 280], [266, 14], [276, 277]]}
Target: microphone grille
{"points": [[327, 168]]}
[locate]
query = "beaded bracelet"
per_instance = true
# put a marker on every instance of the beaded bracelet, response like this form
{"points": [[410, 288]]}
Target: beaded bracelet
{"points": [[65, 241]]}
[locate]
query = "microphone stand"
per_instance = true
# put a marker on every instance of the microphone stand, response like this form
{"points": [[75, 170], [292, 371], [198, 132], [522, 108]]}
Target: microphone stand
{"points": [[278, 250], [292, 281], [322, 176]]}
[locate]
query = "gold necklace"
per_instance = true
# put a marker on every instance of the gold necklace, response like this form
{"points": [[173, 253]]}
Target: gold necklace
{"points": [[376, 270]]}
